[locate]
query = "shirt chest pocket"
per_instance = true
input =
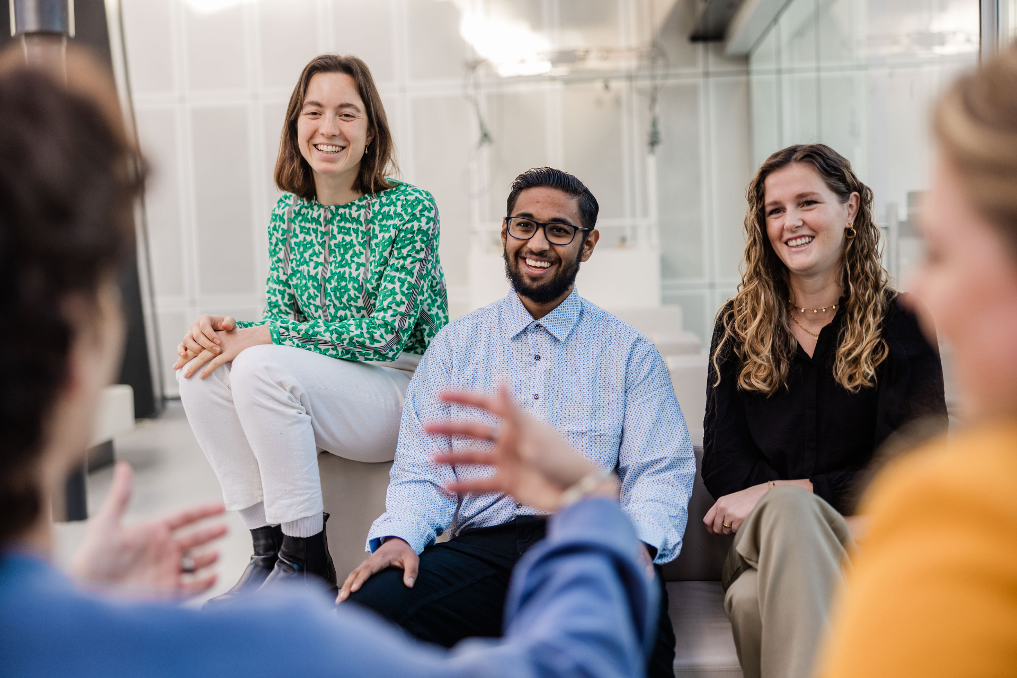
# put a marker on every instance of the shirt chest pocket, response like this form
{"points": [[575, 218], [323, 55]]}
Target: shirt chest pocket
{"points": [[591, 427]]}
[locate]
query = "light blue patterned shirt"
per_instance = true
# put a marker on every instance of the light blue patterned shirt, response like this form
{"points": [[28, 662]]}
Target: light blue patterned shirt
{"points": [[594, 378]]}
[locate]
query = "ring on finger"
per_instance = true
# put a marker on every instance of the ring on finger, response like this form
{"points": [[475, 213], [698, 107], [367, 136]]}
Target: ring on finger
{"points": [[727, 525], [187, 565]]}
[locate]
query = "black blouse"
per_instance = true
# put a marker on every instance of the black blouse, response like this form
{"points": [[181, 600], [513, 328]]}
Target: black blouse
{"points": [[815, 428]]}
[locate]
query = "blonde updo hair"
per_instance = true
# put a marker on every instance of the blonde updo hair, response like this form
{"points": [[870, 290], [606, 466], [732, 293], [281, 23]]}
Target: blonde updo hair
{"points": [[975, 124]]}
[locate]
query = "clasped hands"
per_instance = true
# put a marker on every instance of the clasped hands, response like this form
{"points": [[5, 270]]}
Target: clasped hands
{"points": [[215, 339]]}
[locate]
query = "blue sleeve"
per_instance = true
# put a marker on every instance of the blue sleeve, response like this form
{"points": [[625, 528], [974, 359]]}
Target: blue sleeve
{"points": [[581, 603], [655, 461], [416, 509]]}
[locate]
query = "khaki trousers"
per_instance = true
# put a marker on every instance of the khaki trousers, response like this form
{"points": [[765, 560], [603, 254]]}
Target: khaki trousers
{"points": [[783, 567]]}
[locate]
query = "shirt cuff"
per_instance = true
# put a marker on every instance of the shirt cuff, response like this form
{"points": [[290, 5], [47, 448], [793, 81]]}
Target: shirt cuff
{"points": [[650, 533], [596, 520], [272, 328], [409, 532]]}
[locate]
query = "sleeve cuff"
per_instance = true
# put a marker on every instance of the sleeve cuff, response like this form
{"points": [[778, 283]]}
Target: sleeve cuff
{"points": [[408, 532], [650, 534], [595, 519]]}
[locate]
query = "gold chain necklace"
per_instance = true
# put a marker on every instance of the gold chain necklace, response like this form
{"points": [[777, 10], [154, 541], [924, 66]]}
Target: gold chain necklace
{"points": [[823, 309], [803, 328]]}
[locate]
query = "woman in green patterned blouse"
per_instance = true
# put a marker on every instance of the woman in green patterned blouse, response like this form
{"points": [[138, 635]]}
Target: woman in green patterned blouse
{"points": [[355, 294]]}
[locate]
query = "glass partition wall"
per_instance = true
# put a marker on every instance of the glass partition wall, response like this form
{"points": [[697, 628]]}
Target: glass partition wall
{"points": [[861, 76]]}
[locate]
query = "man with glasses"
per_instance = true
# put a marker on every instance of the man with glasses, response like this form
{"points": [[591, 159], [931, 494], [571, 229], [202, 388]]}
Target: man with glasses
{"points": [[596, 380]]}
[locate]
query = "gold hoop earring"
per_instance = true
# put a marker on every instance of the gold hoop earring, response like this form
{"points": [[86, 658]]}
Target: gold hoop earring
{"points": [[850, 232]]}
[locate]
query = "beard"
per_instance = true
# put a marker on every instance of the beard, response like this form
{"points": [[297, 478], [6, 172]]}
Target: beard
{"points": [[547, 291]]}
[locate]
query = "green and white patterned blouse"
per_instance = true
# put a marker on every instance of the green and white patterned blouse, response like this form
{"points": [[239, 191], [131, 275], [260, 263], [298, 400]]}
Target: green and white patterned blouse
{"points": [[360, 281]]}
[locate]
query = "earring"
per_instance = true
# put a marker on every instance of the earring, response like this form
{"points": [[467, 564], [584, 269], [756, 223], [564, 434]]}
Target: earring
{"points": [[850, 232]]}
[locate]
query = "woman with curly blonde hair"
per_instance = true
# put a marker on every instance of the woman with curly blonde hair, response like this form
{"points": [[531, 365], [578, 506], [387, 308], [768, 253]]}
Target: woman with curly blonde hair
{"points": [[814, 363]]}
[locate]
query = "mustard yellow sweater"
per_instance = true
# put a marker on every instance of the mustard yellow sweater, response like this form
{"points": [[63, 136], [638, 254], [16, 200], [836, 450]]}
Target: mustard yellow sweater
{"points": [[933, 591]]}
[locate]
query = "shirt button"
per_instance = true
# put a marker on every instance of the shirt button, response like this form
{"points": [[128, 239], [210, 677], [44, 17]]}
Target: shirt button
{"points": [[536, 357], [518, 505], [536, 396]]}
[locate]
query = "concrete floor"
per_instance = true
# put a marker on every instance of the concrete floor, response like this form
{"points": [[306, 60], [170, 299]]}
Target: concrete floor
{"points": [[170, 473]]}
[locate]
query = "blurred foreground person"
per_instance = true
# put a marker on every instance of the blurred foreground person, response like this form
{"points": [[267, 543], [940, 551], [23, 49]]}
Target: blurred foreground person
{"points": [[580, 603], [933, 590], [815, 363]]}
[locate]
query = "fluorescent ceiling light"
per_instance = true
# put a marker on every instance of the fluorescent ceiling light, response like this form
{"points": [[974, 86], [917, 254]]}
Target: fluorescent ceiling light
{"points": [[510, 46]]}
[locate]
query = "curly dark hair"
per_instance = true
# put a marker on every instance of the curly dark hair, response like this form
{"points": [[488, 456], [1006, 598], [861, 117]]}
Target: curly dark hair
{"points": [[68, 180]]}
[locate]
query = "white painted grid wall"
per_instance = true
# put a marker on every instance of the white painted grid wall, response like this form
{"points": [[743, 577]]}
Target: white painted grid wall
{"points": [[210, 89]]}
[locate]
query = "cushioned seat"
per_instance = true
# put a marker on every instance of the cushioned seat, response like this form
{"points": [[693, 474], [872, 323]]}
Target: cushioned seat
{"points": [[704, 645]]}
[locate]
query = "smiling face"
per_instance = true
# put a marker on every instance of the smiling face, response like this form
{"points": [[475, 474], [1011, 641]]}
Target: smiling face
{"points": [[968, 282], [805, 220], [332, 128], [541, 272]]}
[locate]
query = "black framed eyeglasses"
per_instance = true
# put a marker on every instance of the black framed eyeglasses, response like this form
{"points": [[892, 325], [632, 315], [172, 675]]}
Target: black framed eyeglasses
{"points": [[557, 233]]}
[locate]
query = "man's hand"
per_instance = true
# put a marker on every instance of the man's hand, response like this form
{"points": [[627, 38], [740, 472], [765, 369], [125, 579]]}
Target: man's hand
{"points": [[393, 553], [146, 559], [533, 463]]}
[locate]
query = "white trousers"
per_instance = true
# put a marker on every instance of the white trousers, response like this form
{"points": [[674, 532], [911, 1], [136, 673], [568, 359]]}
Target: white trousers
{"points": [[262, 418]]}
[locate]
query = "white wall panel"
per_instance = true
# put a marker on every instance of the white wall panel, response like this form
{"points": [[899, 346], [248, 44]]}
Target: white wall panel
{"points": [[216, 49], [590, 23], [732, 169], [442, 143], [157, 127], [172, 326], [436, 50], [287, 40], [518, 123], [222, 200], [680, 183], [592, 116], [148, 38], [364, 28]]}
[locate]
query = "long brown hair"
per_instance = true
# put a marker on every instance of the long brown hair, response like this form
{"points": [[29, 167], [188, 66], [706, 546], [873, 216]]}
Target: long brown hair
{"points": [[293, 174], [976, 125], [756, 321]]}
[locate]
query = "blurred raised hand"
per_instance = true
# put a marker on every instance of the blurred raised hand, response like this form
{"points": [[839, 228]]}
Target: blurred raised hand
{"points": [[532, 462], [147, 559]]}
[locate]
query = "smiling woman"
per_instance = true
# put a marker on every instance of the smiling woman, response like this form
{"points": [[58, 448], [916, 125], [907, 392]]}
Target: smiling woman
{"points": [[355, 295], [815, 362]]}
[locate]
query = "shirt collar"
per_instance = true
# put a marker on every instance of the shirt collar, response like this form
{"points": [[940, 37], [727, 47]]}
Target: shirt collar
{"points": [[558, 322]]}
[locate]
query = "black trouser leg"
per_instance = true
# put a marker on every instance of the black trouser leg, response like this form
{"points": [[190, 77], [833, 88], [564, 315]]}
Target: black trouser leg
{"points": [[455, 596], [460, 588], [661, 660]]}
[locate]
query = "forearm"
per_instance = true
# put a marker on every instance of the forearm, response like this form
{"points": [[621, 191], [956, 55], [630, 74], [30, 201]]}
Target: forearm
{"points": [[581, 603]]}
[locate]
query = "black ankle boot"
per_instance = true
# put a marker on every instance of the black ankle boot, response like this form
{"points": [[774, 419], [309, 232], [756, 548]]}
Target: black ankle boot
{"points": [[305, 560], [267, 542]]}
